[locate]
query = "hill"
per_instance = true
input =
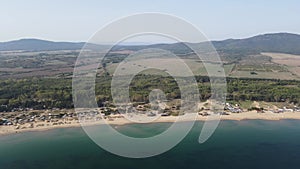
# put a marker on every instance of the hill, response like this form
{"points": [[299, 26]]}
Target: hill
{"points": [[39, 45], [277, 42]]}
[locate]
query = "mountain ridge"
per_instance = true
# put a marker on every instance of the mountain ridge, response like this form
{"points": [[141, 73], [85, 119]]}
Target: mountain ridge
{"points": [[270, 42], [31, 44]]}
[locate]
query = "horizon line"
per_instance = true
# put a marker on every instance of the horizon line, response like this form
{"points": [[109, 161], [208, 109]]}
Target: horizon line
{"points": [[145, 42]]}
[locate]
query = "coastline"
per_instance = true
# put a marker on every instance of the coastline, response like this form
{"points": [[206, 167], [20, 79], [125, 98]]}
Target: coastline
{"points": [[249, 115]]}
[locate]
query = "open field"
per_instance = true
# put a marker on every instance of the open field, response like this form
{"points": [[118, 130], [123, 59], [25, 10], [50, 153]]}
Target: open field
{"points": [[263, 66], [20, 64], [36, 64], [264, 75], [291, 62], [197, 67], [285, 59]]}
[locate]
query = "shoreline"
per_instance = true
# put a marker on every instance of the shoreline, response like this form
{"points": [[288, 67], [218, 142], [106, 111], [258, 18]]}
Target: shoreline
{"points": [[249, 115]]}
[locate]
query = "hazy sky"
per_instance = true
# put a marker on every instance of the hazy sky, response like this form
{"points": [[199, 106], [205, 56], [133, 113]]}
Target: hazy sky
{"points": [[74, 20]]}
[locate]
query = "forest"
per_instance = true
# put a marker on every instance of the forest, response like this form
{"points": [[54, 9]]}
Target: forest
{"points": [[48, 93]]}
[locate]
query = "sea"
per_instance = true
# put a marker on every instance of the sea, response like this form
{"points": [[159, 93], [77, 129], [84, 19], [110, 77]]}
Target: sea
{"points": [[247, 144]]}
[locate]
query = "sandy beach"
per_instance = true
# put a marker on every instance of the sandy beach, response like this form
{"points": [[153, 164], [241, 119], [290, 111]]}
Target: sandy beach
{"points": [[248, 115]]}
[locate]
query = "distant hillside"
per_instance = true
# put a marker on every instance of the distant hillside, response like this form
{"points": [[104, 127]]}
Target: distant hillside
{"points": [[277, 42], [38, 45]]}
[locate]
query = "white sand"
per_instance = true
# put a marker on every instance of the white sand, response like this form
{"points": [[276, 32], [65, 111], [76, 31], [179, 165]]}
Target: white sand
{"points": [[4, 130]]}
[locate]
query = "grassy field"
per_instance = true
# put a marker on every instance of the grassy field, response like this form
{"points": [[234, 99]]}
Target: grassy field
{"points": [[198, 68], [257, 66], [20, 64], [266, 67], [291, 62], [36, 64]]}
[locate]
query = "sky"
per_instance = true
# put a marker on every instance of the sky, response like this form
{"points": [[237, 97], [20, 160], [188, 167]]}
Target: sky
{"points": [[75, 20]]}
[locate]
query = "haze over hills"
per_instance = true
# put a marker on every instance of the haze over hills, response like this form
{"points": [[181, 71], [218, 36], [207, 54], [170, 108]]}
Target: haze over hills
{"points": [[277, 42], [38, 45]]}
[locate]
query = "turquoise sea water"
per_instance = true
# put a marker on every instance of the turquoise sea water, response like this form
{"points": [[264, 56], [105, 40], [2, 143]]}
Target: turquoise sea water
{"points": [[252, 144]]}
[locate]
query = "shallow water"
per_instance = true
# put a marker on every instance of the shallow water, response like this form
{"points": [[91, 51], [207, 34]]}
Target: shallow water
{"points": [[234, 145]]}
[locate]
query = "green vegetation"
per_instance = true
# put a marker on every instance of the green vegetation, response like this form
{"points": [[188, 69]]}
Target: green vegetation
{"points": [[46, 93], [40, 77]]}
